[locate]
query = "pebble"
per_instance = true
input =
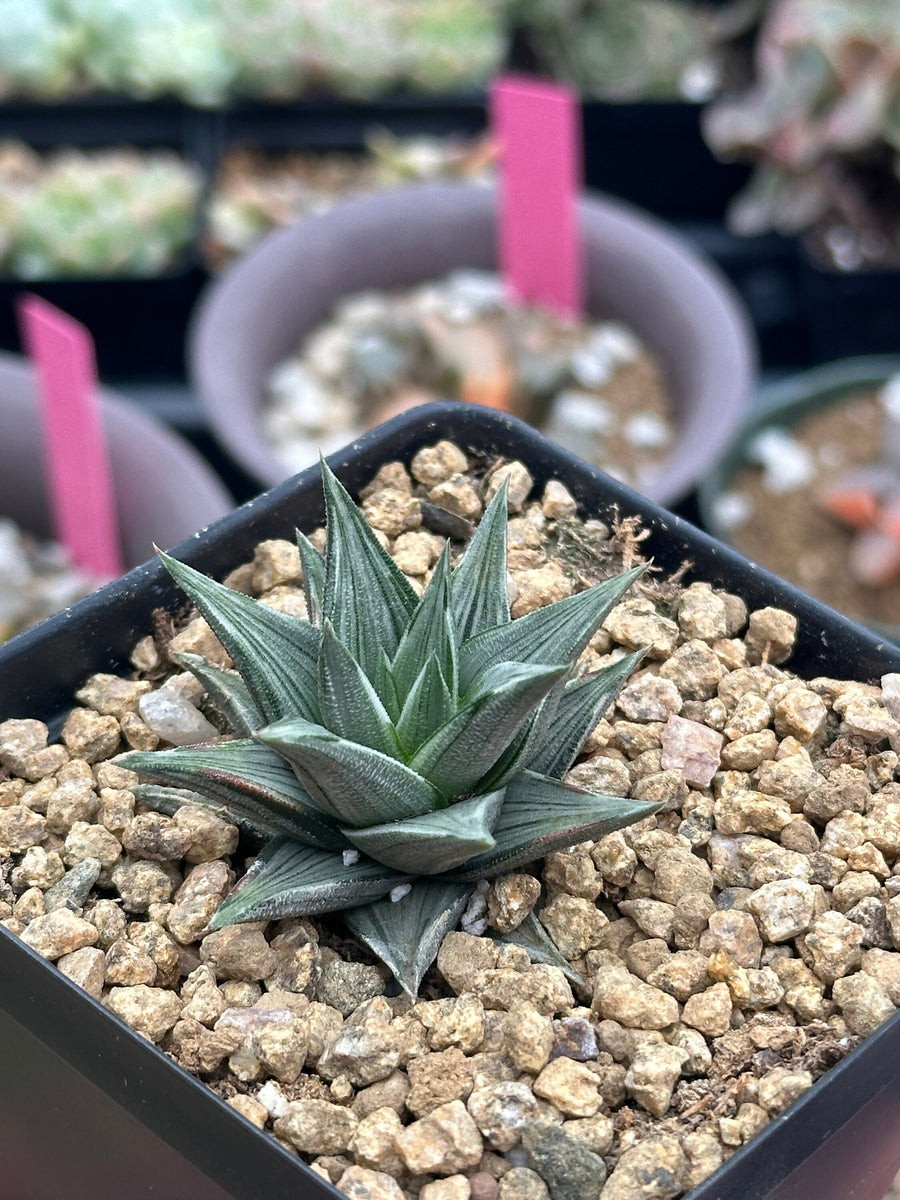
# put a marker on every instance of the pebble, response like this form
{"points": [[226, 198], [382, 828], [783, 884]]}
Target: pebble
{"points": [[521, 1183], [317, 1127], [150, 1011], [656, 1168], [569, 1169], [692, 748], [443, 1143], [502, 1110], [59, 932]]}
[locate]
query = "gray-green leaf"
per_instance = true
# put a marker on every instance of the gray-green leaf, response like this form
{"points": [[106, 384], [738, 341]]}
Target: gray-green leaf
{"points": [[539, 815], [354, 784], [227, 691], [430, 631], [581, 706], [436, 841], [288, 879], [349, 705], [246, 778], [555, 634], [406, 934], [479, 596], [367, 598], [313, 566], [461, 752], [275, 654], [428, 706]]}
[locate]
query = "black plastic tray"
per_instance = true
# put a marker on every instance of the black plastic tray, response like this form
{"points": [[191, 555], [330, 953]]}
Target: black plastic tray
{"points": [[654, 155], [88, 1108], [849, 314]]}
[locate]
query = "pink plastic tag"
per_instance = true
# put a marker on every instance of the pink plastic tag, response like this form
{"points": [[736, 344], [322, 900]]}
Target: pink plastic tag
{"points": [[75, 449], [538, 128]]}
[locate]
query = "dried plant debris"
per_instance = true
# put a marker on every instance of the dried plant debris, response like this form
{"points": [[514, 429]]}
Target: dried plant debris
{"points": [[712, 960]]}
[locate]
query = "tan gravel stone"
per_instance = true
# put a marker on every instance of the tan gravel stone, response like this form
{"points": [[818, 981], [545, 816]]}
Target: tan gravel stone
{"points": [[654, 1169], [783, 908], [150, 1011], [454, 1187], [521, 1183], [864, 1003], [501, 1111], [435, 464], [374, 1142], [86, 967], [59, 932], [20, 829], [445, 1142], [510, 899], [436, 1079], [781, 1087], [88, 735], [317, 1126], [709, 1011], [620, 996], [652, 1075], [520, 483], [571, 1087], [238, 952]]}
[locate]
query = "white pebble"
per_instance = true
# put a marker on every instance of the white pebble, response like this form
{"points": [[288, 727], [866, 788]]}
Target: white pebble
{"points": [[787, 464], [592, 367], [889, 397], [474, 919], [350, 857], [616, 340], [401, 890], [731, 509], [272, 1099], [647, 430], [172, 717], [580, 412]]}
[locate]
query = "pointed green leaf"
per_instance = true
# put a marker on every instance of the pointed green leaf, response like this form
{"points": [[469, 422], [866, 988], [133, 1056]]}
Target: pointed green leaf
{"points": [[406, 934], [246, 778], [275, 654], [430, 630], [383, 680], [428, 706], [480, 599], [288, 880], [581, 706], [436, 841], [533, 937], [367, 598], [540, 815], [461, 752], [313, 566], [554, 634], [525, 743], [355, 784], [228, 693], [347, 701]]}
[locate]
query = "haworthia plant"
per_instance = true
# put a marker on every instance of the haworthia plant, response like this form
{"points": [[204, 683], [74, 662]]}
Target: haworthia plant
{"points": [[395, 750]]}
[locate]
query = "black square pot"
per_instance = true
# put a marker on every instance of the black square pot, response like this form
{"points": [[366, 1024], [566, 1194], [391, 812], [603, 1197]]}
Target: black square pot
{"points": [[89, 1109]]}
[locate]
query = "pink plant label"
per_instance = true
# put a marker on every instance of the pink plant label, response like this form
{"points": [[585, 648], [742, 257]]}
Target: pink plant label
{"points": [[75, 451], [537, 126]]}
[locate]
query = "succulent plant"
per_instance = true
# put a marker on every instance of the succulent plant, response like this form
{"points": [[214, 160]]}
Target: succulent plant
{"points": [[822, 123], [396, 750], [640, 50], [112, 212]]}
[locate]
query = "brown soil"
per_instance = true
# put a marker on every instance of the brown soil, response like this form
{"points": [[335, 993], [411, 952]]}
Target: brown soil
{"points": [[792, 536]]}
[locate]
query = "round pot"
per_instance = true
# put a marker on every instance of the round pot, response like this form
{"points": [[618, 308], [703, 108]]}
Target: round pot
{"points": [[164, 490], [784, 404], [637, 271]]}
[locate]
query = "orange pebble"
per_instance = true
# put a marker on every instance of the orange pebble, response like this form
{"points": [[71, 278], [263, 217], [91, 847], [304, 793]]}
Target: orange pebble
{"points": [[856, 507]]}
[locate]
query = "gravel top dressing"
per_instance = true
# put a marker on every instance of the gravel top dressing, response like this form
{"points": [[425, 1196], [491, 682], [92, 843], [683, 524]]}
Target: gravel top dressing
{"points": [[717, 958], [591, 386]]}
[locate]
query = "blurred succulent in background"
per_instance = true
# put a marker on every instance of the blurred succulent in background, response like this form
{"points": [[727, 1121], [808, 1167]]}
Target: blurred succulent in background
{"points": [[639, 50], [37, 49], [255, 193], [822, 123], [397, 750], [116, 212], [206, 52]]}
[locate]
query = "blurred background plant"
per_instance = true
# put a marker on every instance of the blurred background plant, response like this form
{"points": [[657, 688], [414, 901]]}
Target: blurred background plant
{"points": [[639, 50], [822, 123], [110, 212], [205, 52], [254, 192]]}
